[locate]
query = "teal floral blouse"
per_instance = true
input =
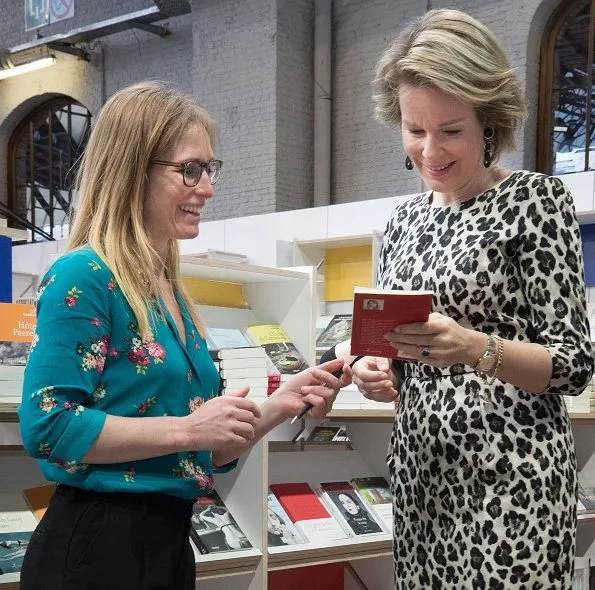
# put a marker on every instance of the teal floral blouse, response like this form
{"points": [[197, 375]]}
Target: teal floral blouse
{"points": [[88, 360]]}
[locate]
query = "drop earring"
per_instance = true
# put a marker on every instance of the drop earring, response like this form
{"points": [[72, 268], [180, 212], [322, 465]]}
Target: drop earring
{"points": [[408, 163], [488, 136]]}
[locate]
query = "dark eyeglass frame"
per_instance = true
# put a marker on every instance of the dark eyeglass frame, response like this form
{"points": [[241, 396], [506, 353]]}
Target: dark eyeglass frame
{"points": [[183, 167]]}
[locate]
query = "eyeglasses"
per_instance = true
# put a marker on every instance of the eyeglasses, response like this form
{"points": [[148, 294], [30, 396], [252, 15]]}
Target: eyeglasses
{"points": [[192, 170]]}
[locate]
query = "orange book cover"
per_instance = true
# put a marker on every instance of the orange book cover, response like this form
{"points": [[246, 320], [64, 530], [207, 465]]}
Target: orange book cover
{"points": [[38, 499], [17, 327], [17, 322], [378, 311]]}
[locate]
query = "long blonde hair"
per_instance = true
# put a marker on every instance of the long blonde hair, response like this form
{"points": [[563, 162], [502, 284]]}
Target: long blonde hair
{"points": [[451, 51], [137, 124]]}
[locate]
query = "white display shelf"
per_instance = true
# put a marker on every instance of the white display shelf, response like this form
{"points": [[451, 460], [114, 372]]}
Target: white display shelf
{"points": [[233, 272], [227, 563], [306, 554]]}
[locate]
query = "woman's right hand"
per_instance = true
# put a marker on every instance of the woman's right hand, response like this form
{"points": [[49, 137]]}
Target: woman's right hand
{"points": [[222, 422], [374, 379]]}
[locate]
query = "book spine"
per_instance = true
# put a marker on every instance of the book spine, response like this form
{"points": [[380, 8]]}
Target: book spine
{"points": [[202, 548]]}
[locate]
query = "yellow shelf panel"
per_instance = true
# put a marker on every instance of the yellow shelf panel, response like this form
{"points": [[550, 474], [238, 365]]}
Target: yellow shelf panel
{"points": [[346, 268], [217, 293]]}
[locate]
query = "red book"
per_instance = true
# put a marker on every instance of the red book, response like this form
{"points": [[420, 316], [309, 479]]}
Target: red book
{"points": [[307, 512], [378, 311]]}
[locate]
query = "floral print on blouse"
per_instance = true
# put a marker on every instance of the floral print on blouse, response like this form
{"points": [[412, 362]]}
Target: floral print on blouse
{"points": [[89, 360]]}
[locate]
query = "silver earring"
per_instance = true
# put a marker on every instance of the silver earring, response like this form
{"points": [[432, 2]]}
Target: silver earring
{"points": [[408, 163]]}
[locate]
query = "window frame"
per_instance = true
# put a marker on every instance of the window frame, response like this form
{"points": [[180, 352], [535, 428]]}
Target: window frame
{"points": [[545, 131], [24, 132]]}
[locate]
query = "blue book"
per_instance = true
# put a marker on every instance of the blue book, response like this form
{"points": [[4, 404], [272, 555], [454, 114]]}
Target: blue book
{"points": [[222, 338]]}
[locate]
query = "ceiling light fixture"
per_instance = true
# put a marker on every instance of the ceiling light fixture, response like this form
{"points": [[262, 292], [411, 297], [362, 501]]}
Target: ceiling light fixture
{"points": [[27, 67]]}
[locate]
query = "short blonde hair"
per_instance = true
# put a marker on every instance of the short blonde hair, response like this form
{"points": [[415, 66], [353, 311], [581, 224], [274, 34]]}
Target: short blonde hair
{"points": [[453, 52], [137, 124]]}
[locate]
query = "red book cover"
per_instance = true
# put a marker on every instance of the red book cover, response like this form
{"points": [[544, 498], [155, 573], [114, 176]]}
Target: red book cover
{"points": [[308, 513], [378, 311], [299, 501]]}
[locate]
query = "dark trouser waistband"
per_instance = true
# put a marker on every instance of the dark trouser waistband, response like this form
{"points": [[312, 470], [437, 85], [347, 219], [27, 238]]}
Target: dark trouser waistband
{"points": [[146, 502]]}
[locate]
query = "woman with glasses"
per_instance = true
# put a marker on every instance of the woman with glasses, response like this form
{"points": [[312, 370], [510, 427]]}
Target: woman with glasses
{"points": [[120, 400]]}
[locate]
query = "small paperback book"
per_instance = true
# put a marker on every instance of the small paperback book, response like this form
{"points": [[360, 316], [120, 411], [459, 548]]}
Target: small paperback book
{"points": [[306, 510], [17, 328], [586, 494], [214, 528], [284, 357], [338, 330], [378, 311], [328, 433], [280, 530], [348, 508], [223, 338], [17, 523], [376, 493]]}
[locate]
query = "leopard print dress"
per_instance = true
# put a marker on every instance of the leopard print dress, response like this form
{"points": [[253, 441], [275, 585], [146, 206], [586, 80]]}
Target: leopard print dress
{"points": [[484, 477]]}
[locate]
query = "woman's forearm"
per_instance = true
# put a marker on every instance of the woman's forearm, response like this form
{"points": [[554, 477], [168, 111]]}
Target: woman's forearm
{"points": [[525, 365], [134, 439]]}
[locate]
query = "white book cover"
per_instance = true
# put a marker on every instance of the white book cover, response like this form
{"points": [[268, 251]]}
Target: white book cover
{"points": [[239, 353], [219, 338], [12, 372], [16, 526], [244, 363], [580, 578], [349, 510], [376, 494], [254, 391], [258, 382], [246, 373], [280, 530], [10, 389]]}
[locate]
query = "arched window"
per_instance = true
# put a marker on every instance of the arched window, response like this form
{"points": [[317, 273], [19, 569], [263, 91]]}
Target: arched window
{"points": [[566, 132], [42, 151]]}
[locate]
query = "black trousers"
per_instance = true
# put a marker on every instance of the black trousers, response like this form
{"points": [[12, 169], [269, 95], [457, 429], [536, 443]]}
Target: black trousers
{"points": [[111, 541]]}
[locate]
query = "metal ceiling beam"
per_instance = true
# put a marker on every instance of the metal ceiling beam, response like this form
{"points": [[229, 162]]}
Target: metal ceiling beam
{"points": [[141, 19]]}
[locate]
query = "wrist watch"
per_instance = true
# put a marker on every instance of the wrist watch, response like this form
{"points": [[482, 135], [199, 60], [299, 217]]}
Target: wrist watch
{"points": [[486, 363]]}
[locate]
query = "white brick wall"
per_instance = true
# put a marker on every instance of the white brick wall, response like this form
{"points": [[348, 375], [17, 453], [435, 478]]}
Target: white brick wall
{"points": [[368, 158], [234, 78], [250, 64], [295, 92]]}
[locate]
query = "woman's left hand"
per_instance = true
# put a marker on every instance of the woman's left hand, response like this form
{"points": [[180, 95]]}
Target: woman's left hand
{"points": [[440, 342], [316, 386]]}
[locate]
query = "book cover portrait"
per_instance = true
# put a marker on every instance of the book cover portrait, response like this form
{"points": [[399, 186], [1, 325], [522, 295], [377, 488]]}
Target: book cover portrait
{"points": [[351, 508]]}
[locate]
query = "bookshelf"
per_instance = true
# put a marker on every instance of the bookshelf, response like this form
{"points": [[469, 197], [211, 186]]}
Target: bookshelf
{"points": [[266, 295], [342, 263], [290, 298]]}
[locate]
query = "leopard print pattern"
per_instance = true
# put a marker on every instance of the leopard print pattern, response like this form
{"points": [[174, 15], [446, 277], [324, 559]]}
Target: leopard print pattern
{"points": [[484, 477]]}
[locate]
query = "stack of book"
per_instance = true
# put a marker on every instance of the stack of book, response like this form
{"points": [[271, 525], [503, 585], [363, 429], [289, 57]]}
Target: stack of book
{"points": [[582, 403], [239, 364], [283, 359]]}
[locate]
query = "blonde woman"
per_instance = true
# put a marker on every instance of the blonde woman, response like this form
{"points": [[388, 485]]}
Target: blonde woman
{"points": [[483, 470], [120, 400]]}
